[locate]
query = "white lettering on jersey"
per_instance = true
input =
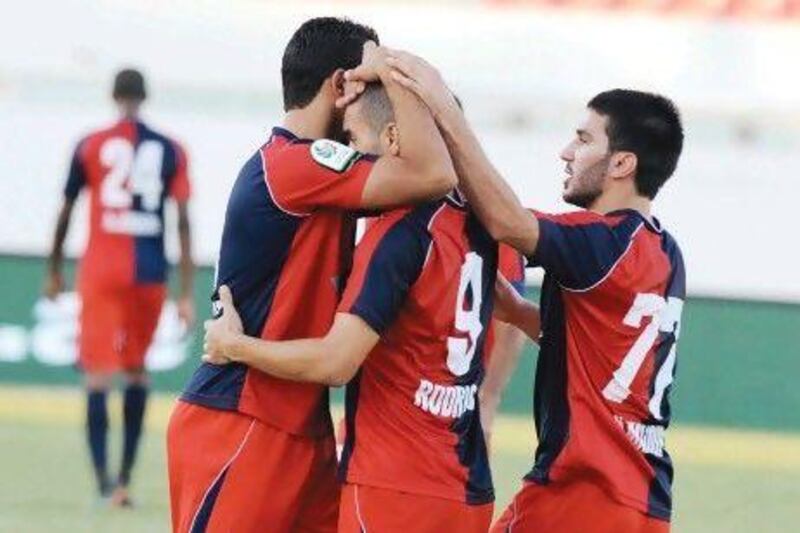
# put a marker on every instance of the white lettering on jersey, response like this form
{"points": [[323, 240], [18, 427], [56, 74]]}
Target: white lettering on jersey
{"points": [[647, 438], [132, 172], [447, 401], [665, 316], [133, 223]]}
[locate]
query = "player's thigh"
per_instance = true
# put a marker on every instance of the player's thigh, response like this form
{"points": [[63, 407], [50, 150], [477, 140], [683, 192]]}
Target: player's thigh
{"points": [[141, 314], [101, 322], [319, 511], [201, 443], [266, 483], [374, 509]]}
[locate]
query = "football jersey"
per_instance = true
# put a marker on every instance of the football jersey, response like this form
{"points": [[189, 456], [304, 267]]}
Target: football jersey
{"points": [[423, 279], [129, 170], [286, 250], [512, 267], [611, 303]]}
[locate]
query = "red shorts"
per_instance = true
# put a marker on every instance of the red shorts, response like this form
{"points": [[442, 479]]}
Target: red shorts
{"points": [[230, 472], [572, 508], [366, 508], [117, 326]]}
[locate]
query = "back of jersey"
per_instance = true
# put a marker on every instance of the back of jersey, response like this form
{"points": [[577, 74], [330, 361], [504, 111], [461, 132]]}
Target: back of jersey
{"points": [[611, 306], [424, 280], [129, 170]]}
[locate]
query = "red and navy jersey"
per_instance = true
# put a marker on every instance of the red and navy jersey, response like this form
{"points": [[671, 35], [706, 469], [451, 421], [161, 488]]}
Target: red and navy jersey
{"points": [[611, 303], [129, 170], [423, 279], [512, 267], [286, 248]]}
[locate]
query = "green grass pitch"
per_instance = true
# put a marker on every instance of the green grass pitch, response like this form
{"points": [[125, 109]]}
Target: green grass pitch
{"points": [[726, 480]]}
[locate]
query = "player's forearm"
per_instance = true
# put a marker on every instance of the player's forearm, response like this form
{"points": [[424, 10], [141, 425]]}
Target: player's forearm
{"points": [[186, 264], [421, 144], [526, 317], [489, 195], [56, 257], [509, 342], [306, 360]]}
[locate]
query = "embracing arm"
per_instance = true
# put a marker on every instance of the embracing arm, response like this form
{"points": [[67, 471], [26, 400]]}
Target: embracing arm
{"points": [[330, 360]]}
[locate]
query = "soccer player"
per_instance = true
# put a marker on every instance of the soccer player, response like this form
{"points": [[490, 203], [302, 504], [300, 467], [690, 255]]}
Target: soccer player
{"points": [[413, 318], [611, 305], [130, 171], [248, 451]]}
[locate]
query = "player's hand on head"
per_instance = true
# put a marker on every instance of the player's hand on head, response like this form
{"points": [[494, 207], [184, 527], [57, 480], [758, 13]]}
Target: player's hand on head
{"points": [[351, 91], [423, 79], [373, 61]]}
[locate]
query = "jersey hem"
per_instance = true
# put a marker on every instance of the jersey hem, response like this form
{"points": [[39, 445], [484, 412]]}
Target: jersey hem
{"points": [[223, 403], [475, 500], [654, 511]]}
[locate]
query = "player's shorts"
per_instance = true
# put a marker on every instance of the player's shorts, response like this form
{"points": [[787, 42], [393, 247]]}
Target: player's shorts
{"points": [[117, 325], [366, 508], [572, 508], [230, 472]]}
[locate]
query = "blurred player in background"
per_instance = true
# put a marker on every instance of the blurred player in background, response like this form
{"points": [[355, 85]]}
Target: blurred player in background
{"points": [[130, 171], [411, 328], [504, 343], [611, 307], [247, 451]]}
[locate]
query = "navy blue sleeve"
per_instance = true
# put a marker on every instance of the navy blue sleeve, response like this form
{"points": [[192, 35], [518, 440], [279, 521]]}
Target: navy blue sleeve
{"points": [[387, 263], [580, 249], [77, 176]]}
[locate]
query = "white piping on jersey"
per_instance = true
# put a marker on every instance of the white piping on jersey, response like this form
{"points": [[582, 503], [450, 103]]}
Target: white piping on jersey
{"points": [[221, 472], [430, 224], [358, 512], [269, 189], [456, 197], [614, 266]]}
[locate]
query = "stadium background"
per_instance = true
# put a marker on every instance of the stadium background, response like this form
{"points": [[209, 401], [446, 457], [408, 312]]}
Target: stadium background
{"points": [[524, 71]]}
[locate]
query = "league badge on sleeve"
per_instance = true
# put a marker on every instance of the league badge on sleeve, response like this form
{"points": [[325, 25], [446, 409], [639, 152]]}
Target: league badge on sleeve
{"points": [[333, 155]]}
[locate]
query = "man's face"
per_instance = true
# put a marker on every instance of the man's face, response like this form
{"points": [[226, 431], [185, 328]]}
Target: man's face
{"points": [[358, 131], [587, 160]]}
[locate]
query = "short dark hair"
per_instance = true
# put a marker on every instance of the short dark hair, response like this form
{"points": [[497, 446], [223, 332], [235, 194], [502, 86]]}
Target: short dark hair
{"points": [[129, 85], [319, 47], [376, 106], [647, 124]]}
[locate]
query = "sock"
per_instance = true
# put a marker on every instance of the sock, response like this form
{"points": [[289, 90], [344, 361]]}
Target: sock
{"points": [[97, 431], [133, 410]]}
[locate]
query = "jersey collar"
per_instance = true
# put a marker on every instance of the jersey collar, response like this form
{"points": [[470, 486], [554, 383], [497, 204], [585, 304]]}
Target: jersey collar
{"points": [[652, 223]]}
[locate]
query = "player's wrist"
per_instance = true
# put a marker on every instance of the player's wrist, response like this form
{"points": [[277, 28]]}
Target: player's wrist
{"points": [[233, 348]]}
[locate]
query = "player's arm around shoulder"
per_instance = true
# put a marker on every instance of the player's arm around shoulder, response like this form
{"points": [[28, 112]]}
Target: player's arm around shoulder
{"points": [[330, 360]]}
